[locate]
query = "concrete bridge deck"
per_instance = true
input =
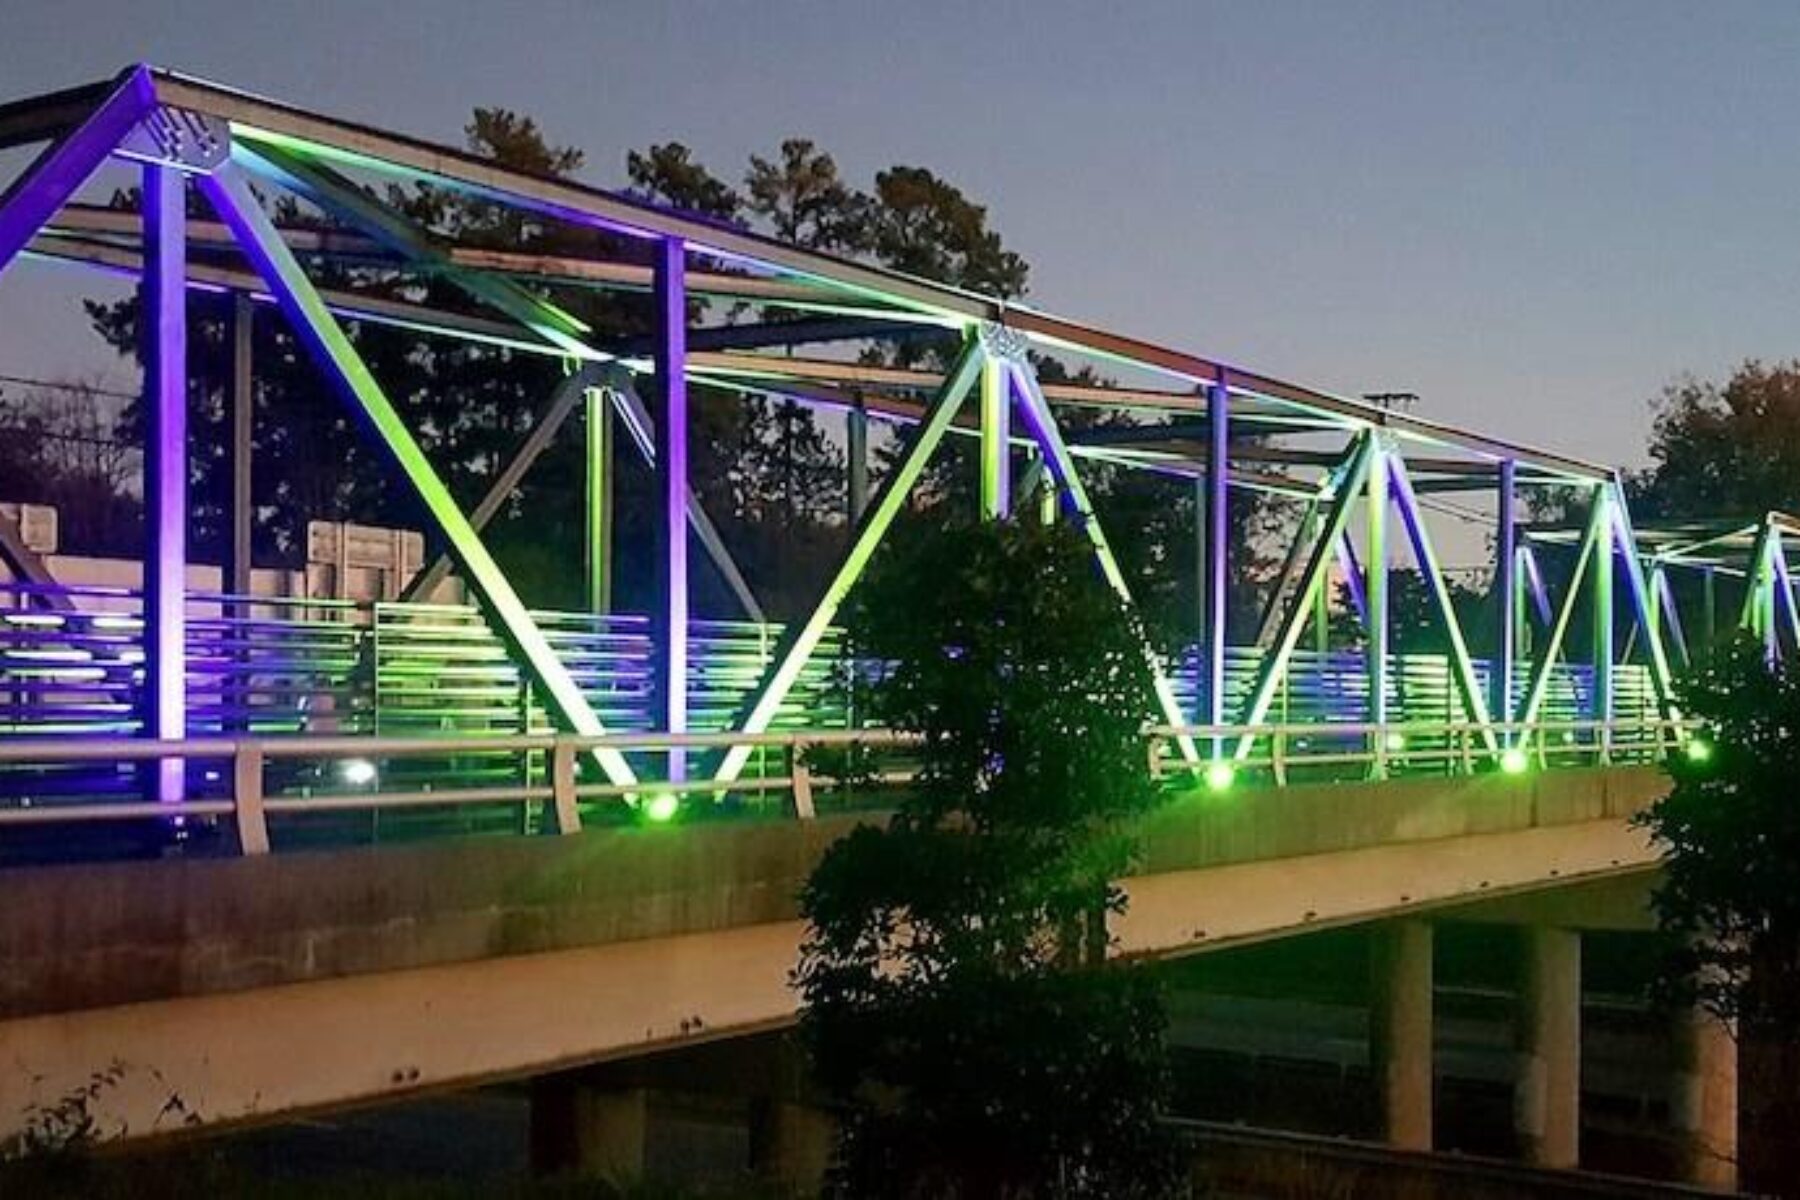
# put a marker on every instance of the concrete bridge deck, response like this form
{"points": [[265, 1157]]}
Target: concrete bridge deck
{"points": [[253, 988]]}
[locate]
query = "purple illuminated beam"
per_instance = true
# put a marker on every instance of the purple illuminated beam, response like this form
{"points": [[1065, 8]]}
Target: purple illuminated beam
{"points": [[671, 470], [164, 333], [61, 170], [1218, 468]]}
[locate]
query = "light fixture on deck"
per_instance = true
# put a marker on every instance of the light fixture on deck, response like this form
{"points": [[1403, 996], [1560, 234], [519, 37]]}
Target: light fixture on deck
{"points": [[357, 772]]}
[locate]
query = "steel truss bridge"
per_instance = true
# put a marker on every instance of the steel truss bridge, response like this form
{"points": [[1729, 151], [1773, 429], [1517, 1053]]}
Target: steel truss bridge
{"points": [[287, 712]]}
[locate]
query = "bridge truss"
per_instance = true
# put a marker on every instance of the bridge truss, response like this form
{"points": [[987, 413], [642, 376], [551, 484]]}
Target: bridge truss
{"points": [[1349, 468]]}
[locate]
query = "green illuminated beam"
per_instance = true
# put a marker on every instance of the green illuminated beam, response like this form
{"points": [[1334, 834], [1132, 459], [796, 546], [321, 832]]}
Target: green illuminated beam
{"points": [[800, 640], [1540, 671], [562, 330], [1474, 702], [238, 206], [1644, 601], [1755, 580], [1348, 485], [1061, 465], [1376, 579]]}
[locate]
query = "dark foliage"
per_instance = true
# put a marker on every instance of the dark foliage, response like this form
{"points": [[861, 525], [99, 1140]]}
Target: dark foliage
{"points": [[958, 1000], [1730, 832]]}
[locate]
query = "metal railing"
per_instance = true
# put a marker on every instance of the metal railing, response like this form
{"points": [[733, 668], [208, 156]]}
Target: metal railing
{"points": [[548, 774], [1384, 749]]}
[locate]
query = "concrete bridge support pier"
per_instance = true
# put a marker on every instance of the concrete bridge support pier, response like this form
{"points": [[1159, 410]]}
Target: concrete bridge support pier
{"points": [[1400, 1033], [580, 1125], [1704, 1099], [1547, 1092], [790, 1143]]}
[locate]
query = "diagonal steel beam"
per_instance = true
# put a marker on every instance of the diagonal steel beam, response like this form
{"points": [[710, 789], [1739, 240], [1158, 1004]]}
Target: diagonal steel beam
{"points": [[230, 194], [1669, 615], [1474, 702], [1546, 655], [562, 329], [563, 400], [64, 166], [1288, 576], [1784, 587], [1643, 601], [799, 641], [1349, 484], [1061, 465]]}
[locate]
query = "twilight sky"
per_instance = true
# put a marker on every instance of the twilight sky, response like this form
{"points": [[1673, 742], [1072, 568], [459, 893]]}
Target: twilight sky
{"points": [[1534, 214]]}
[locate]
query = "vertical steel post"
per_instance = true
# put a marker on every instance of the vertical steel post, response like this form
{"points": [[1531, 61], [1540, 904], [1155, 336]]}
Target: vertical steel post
{"points": [[1765, 602], [1709, 605], [1375, 575], [1506, 596], [671, 471], [996, 440], [242, 403], [1604, 550], [1321, 618], [1218, 467], [856, 442], [598, 533], [164, 333]]}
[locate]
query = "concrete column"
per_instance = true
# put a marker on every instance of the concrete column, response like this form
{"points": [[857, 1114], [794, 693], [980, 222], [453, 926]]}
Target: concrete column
{"points": [[1547, 1091], [1400, 1031], [790, 1144], [1704, 1099], [581, 1127]]}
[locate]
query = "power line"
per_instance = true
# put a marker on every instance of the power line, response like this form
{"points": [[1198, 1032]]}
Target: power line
{"points": [[53, 385]]}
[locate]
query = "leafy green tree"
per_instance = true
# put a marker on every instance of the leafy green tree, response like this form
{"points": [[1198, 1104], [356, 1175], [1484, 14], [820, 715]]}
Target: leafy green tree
{"points": [[957, 998], [1730, 834]]}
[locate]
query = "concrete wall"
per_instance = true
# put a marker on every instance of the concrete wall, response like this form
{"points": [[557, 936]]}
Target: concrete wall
{"points": [[86, 936], [255, 988]]}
